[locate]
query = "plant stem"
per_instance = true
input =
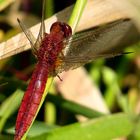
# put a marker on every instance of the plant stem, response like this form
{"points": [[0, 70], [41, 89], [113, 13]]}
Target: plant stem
{"points": [[76, 14]]}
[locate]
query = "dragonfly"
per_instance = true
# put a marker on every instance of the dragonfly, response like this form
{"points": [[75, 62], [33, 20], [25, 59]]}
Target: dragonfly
{"points": [[54, 55]]}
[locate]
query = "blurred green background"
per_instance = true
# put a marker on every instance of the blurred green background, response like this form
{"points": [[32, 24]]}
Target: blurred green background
{"points": [[119, 84]]}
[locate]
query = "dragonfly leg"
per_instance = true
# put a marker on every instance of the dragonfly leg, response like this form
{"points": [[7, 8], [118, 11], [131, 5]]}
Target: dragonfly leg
{"points": [[62, 54], [60, 78]]}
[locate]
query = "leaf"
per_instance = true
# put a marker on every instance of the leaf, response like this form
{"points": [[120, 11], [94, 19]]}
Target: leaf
{"points": [[113, 90], [77, 13], [74, 107], [136, 133], [104, 128], [41, 128], [9, 106], [37, 129]]}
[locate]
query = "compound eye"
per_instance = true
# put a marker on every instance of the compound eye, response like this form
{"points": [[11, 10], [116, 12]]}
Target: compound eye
{"points": [[67, 30]]}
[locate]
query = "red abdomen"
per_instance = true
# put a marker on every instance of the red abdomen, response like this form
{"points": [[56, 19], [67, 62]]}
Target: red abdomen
{"points": [[31, 99]]}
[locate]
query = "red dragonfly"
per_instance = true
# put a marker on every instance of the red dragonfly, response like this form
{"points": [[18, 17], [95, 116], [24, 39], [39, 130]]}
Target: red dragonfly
{"points": [[55, 52]]}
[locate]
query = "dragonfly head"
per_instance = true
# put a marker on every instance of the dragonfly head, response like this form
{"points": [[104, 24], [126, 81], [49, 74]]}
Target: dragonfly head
{"points": [[61, 27]]}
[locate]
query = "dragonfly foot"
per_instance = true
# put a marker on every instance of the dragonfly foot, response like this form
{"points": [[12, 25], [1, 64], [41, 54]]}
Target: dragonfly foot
{"points": [[60, 78]]}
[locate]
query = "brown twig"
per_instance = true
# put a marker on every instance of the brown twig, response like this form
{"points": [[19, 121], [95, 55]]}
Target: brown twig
{"points": [[96, 13]]}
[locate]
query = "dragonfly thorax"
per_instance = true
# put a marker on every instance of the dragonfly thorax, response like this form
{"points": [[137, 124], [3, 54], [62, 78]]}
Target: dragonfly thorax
{"points": [[50, 48]]}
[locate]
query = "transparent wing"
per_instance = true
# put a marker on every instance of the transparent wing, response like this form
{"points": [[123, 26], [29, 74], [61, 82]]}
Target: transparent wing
{"points": [[98, 40], [35, 43], [42, 28], [75, 62], [28, 33]]}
